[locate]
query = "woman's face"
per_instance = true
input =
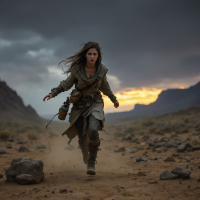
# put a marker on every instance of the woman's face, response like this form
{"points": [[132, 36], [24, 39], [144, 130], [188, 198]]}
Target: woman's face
{"points": [[91, 55]]}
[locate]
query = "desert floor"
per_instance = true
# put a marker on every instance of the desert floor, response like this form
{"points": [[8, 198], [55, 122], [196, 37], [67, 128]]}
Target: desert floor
{"points": [[117, 172]]}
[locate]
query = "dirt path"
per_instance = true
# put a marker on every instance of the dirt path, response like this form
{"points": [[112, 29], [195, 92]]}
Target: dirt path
{"points": [[116, 179]]}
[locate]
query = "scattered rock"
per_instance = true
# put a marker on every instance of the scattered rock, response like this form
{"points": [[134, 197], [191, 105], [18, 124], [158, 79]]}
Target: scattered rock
{"points": [[141, 159], [169, 159], [42, 146], [21, 142], [153, 182], [181, 172], [175, 154], [63, 190], [159, 132], [174, 135], [166, 175], [10, 140], [185, 131], [197, 147], [134, 139], [195, 133], [185, 147], [129, 151], [23, 149], [121, 149], [127, 137], [2, 151], [25, 171], [187, 158], [140, 148], [141, 173], [159, 150], [157, 158], [164, 139], [9, 146], [145, 137]]}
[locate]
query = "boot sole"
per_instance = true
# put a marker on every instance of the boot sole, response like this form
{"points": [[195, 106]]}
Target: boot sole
{"points": [[91, 172]]}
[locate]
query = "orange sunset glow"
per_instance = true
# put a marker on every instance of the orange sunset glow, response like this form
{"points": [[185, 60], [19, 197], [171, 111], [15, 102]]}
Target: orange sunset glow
{"points": [[131, 96]]}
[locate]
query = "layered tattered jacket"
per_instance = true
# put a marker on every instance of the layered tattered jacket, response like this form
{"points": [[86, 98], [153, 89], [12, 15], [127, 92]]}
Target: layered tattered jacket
{"points": [[80, 79]]}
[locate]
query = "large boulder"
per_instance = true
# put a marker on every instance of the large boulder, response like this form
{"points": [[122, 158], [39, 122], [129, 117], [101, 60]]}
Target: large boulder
{"points": [[183, 173], [25, 171], [166, 175], [186, 146]]}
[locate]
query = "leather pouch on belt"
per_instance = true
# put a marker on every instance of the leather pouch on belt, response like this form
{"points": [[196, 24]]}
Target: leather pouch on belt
{"points": [[74, 96], [99, 100]]}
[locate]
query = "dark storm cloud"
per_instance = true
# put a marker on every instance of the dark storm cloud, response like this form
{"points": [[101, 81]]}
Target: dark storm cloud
{"points": [[143, 41]]}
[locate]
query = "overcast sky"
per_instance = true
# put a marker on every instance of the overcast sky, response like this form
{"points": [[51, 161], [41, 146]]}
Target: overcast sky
{"points": [[145, 43]]}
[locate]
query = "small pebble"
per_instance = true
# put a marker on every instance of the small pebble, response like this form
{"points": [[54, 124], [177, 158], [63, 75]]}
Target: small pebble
{"points": [[63, 190]]}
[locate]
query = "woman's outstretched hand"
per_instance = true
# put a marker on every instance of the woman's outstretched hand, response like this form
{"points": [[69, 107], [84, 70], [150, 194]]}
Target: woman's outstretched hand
{"points": [[49, 96], [116, 104]]}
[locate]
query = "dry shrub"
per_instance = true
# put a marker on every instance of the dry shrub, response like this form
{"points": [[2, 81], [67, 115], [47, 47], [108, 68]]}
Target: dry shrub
{"points": [[136, 127], [148, 121], [5, 134], [167, 129], [152, 129], [118, 134], [129, 130], [33, 136]]}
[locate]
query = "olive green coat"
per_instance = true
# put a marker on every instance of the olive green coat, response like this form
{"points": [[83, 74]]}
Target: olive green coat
{"points": [[80, 79]]}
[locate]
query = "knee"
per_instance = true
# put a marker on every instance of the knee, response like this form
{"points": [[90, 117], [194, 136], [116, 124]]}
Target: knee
{"points": [[93, 134], [92, 131]]}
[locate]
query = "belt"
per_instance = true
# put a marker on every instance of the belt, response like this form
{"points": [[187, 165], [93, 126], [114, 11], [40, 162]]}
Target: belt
{"points": [[87, 100]]}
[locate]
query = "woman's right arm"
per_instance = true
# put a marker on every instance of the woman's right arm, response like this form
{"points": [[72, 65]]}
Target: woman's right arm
{"points": [[64, 86]]}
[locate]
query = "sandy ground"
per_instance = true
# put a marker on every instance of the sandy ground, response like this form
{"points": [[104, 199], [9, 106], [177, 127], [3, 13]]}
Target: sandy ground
{"points": [[117, 173]]}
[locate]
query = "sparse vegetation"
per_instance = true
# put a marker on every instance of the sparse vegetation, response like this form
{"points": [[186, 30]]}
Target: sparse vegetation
{"points": [[33, 136], [148, 121], [152, 129], [167, 129], [118, 134], [186, 120], [5, 134]]}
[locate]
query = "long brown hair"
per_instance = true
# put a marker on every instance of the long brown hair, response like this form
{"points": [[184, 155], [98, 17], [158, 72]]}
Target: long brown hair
{"points": [[79, 57]]}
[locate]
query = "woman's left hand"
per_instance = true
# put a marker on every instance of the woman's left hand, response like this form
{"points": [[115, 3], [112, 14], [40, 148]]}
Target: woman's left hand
{"points": [[116, 104]]}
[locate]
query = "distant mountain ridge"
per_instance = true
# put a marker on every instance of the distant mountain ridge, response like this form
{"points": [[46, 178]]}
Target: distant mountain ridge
{"points": [[12, 107], [168, 101]]}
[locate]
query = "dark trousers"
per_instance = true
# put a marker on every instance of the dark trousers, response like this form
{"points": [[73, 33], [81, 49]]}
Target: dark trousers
{"points": [[92, 132]]}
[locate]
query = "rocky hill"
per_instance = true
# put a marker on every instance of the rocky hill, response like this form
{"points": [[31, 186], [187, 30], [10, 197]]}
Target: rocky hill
{"points": [[12, 107], [168, 101]]}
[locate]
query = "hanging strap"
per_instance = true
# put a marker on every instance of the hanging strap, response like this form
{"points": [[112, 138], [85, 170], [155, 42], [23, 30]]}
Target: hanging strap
{"points": [[52, 119]]}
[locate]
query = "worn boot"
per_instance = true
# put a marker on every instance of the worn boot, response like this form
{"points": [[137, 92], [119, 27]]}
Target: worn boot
{"points": [[84, 149], [93, 148]]}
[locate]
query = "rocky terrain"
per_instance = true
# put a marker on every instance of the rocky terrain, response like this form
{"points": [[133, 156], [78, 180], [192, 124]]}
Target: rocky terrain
{"points": [[151, 158], [169, 100], [12, 107]]}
